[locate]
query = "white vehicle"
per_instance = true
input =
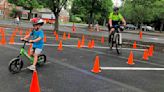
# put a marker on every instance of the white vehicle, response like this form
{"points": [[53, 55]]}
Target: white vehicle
{"points": [[147, 28], [48, 18]]}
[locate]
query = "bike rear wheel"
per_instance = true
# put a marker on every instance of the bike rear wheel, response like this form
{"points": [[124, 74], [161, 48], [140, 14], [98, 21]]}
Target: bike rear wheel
{"points": [[118, 45], [42, 59]]}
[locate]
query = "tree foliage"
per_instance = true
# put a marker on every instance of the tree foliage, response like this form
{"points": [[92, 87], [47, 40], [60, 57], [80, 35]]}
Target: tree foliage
{"points": [[26, 4], [91, 10], [143, 11], [55, 6]]}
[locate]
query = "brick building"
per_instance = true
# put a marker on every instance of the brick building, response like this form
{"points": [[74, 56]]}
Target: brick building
{"points": [[5, 9]]}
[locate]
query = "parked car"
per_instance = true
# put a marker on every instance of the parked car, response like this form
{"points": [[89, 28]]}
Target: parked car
{"points": [[147, 28], [131, 27]]}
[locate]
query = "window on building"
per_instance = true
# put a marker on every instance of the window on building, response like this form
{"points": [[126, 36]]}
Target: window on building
{"points": [[24, 16], [1, 12]]}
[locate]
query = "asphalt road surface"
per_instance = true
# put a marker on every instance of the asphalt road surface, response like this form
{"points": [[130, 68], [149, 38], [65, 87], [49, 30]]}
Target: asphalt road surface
{"points": [[70, 70]]}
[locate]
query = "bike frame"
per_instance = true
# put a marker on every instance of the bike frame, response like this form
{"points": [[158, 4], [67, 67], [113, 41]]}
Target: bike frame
{"points": [[23, 52], [117, 32], [120, 36]]}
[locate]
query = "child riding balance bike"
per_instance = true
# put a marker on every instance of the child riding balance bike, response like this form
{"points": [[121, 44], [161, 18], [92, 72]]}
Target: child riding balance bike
{"points": [[35, 53]]}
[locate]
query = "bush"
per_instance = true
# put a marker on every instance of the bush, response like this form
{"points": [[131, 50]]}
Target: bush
{"points": [[76, 19]]}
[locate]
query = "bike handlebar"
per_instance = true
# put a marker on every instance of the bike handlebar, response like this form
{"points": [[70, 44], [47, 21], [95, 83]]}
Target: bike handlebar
{"points": [[26, 41]]}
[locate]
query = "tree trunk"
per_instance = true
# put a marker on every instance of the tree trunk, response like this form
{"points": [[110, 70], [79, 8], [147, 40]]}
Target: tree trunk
{"points": [[91, 14], [161, 28], [56, 22], [104, 23], [30, 14], [90, 19]]}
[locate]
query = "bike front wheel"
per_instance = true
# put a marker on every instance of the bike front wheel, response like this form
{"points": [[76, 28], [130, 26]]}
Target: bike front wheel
{"points": [[15, 65]]}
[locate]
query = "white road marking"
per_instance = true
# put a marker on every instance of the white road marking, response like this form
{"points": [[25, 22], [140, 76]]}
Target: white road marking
{"points": [[132, 68], [121, 57], [96, 47], [49, 37], [156, 38]]}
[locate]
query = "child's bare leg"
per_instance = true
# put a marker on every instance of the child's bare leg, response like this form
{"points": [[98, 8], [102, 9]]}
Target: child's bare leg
{"points": [[32, 52], [35, 59]]}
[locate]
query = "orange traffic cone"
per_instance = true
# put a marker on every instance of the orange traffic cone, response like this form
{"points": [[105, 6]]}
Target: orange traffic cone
{"points": [[57, 37], [102, 40], [20, 32], [0, 30], [55, 33], [96, 67], [69, 36], [83, 40], [29, 49], [79, 44], [60, 47], [151, 50], [73, 28], [14, 32], [89, 44], [45, 38], [16, 29], [11, 39], [140, 34], [92, 44], [26, 32], [64, 36], [34, 87], [30, 30], [134, 45], [3, 40], [145, 55], [130, 59]]}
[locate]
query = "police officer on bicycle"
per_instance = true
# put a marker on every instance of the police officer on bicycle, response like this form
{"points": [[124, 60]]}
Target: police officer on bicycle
{"points": [[114, 19]]}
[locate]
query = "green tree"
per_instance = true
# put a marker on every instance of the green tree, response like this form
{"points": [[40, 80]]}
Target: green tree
{"points": [[159, 12], [55, 6], [138, 11], [91, 10], [143, 11], [14, 13], [26, 4]]}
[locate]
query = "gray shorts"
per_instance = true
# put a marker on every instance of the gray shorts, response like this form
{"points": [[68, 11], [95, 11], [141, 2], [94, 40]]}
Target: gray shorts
{"points": [[36, 51]]}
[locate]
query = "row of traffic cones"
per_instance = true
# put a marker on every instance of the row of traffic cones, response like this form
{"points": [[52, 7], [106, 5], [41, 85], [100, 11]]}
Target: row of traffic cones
{"points": [[146, 54], [82, 41], [79, 44], [149, 52], [64, 36], [91, 44]]}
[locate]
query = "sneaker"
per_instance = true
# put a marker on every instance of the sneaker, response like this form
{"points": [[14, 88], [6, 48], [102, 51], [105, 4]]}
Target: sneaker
{"points": [[32, 67]]}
